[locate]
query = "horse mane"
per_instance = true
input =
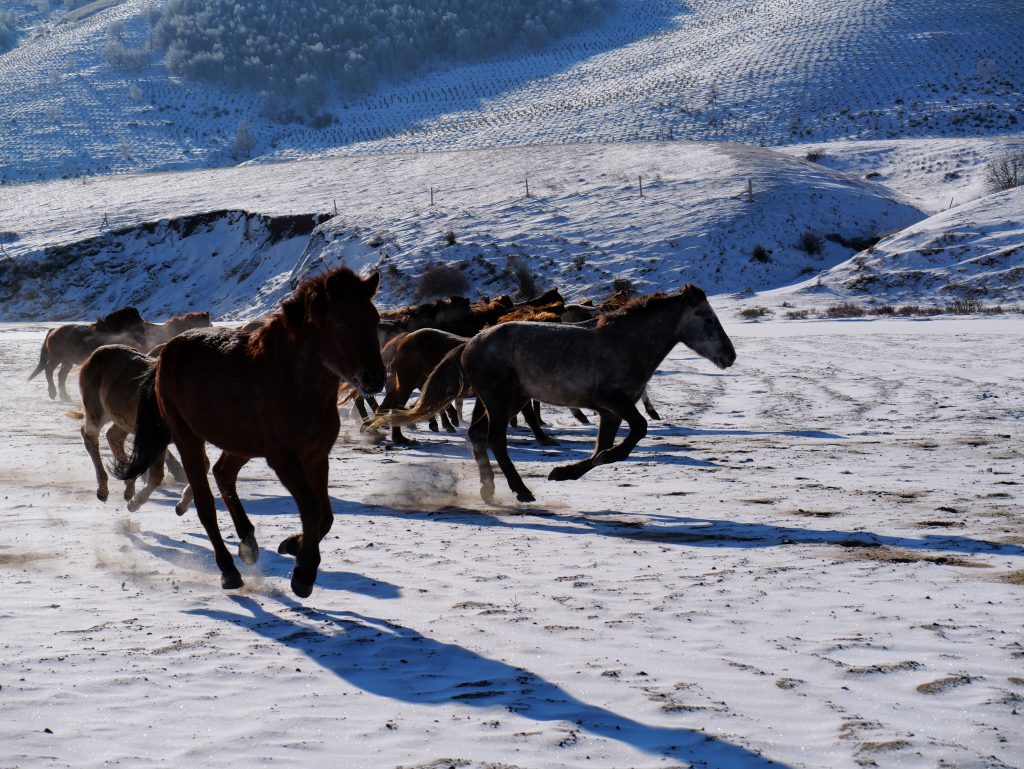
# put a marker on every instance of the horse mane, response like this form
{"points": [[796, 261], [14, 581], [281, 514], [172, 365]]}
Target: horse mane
{"points": [[532, 314], [296, 308], [690, 296]]}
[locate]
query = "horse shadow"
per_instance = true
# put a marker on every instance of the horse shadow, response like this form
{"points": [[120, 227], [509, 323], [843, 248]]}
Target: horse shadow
{"points": [[185, 553], [390, 660]]}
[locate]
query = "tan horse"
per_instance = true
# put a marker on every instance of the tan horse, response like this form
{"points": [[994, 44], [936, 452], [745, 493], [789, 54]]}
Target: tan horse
{"points": [[161, 333], [109, 382]]}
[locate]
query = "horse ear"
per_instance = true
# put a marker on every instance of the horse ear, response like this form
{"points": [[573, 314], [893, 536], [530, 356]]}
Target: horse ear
{"points": [[371, 284]]}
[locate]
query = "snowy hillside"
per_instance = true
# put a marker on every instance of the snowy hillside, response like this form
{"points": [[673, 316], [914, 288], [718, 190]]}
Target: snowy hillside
{"points": [[703, 211], [975, 251], [758, 71]]}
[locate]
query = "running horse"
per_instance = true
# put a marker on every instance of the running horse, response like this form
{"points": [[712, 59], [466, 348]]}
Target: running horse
{"points": [[605, 368], [268, 393]]}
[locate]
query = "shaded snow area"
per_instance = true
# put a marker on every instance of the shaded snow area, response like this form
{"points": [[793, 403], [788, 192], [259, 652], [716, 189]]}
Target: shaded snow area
{"points": [[815, 560], [974, 252], [703, 209], [759, 71]]}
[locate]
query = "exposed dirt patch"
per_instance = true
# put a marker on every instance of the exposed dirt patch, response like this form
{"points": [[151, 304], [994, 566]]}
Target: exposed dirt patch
{"points": [[894, 667], [945, 684], [1013, 577], [886, 554]]}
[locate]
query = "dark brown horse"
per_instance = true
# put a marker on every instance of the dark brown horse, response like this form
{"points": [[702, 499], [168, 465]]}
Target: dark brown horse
{"points": [[67, 346], [271, 393], [605, 368], [109, 383]]}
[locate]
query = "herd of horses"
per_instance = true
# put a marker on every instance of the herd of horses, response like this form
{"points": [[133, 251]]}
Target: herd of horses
{"points": [[272, 388]]}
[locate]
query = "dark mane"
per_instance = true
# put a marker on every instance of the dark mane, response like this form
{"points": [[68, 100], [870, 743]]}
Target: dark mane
{"points": [[120, 320], [690, 296], [295, 307]]}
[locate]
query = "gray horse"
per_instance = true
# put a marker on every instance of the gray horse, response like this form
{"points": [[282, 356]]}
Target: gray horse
{"points": [[605, 368]]}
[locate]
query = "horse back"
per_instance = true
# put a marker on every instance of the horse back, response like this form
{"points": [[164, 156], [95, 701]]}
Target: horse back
{"points": [[109, 383]]}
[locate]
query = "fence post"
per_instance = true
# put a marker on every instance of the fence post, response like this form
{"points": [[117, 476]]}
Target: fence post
{"points": [[750, 190], [641, 178], [431, 196], [335, 206], [527, 187]]}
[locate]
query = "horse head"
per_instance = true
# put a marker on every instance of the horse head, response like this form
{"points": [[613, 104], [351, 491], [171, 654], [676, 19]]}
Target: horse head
{"points": [[701, 331], [338, 305]]}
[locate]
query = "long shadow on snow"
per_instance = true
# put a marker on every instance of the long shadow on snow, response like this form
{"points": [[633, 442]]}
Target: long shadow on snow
{"points": [[394, 661], [694, 532], [188, 554]]}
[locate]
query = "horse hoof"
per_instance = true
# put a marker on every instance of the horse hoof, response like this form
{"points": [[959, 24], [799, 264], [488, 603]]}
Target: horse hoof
{"points": [[526, 496], [102, 494], [128, 494], [487, 492], [450, 429], [180, 509], [134, 505], [231, 581], [549, 441], [655, 415], [289, 546], [300, 587], [560, 473], [248, 550]]}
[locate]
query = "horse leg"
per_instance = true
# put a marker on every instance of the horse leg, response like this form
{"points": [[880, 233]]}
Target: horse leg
{"points": [[456, 411], [605, 438], [496, 439], [648, 406], [193, 456], [360, 406], [535, 405], [624, 407], [62, 380], [115, 439], [91, 439], [392, 400], [580, 416], [154, 477], [174, 467], [477, 435], [51, 388], [372, 403], [432, 424], [312, 511], [532, 417], [449, 419], [225, 473], [186, 493]]}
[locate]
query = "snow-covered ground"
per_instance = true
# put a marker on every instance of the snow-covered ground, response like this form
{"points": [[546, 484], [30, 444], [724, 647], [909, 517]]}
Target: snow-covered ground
{"points": [[814, 560], [759, 71]]}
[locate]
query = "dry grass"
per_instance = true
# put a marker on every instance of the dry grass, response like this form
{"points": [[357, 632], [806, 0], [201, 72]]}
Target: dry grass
{"points": [[944, 684]]}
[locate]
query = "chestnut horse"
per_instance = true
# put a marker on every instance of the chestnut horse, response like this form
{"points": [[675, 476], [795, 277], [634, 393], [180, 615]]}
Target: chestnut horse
{"points": [[109, 383], [159, 333], [605, 368], [270, 393], [411, 357]]}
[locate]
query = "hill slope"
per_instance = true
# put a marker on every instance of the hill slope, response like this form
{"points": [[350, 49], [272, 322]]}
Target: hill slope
{"points": [[758, 71], [584, 225]]}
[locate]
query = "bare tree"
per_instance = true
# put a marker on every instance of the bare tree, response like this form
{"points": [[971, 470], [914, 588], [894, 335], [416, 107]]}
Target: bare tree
{"points": [[1006, 171], [245, 141]]}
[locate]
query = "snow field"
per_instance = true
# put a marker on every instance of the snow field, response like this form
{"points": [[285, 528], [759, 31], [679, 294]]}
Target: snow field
{"points": [[813, 560]]}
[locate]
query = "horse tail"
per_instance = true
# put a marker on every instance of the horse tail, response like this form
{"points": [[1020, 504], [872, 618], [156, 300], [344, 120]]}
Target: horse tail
{"points": [[75, 414], [446, 383], [152, 435], [43, 356], [346, 394]]}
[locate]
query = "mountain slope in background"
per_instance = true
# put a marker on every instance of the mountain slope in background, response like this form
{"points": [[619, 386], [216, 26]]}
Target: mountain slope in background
{"points": [[768, 72]]}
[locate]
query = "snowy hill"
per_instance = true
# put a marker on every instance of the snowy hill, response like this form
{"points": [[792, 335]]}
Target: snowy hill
{"points": [[975, 251], [703, 210], [770, 72]]}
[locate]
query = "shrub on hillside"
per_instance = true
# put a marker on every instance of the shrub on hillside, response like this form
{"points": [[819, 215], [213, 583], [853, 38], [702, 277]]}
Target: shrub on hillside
{"points": [[441, 281], [295, 50], [811, 242], [523, 276], [1006, 171]]}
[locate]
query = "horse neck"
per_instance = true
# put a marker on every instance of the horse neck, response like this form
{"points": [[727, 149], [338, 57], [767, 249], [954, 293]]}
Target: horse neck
{"points": [[297, 356], [648, 336]]}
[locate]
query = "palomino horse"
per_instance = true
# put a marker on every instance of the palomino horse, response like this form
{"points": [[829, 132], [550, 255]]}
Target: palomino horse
{"points": [[67, 346], [109, 383], [410, 359], [605, 368], [271, 393]]}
